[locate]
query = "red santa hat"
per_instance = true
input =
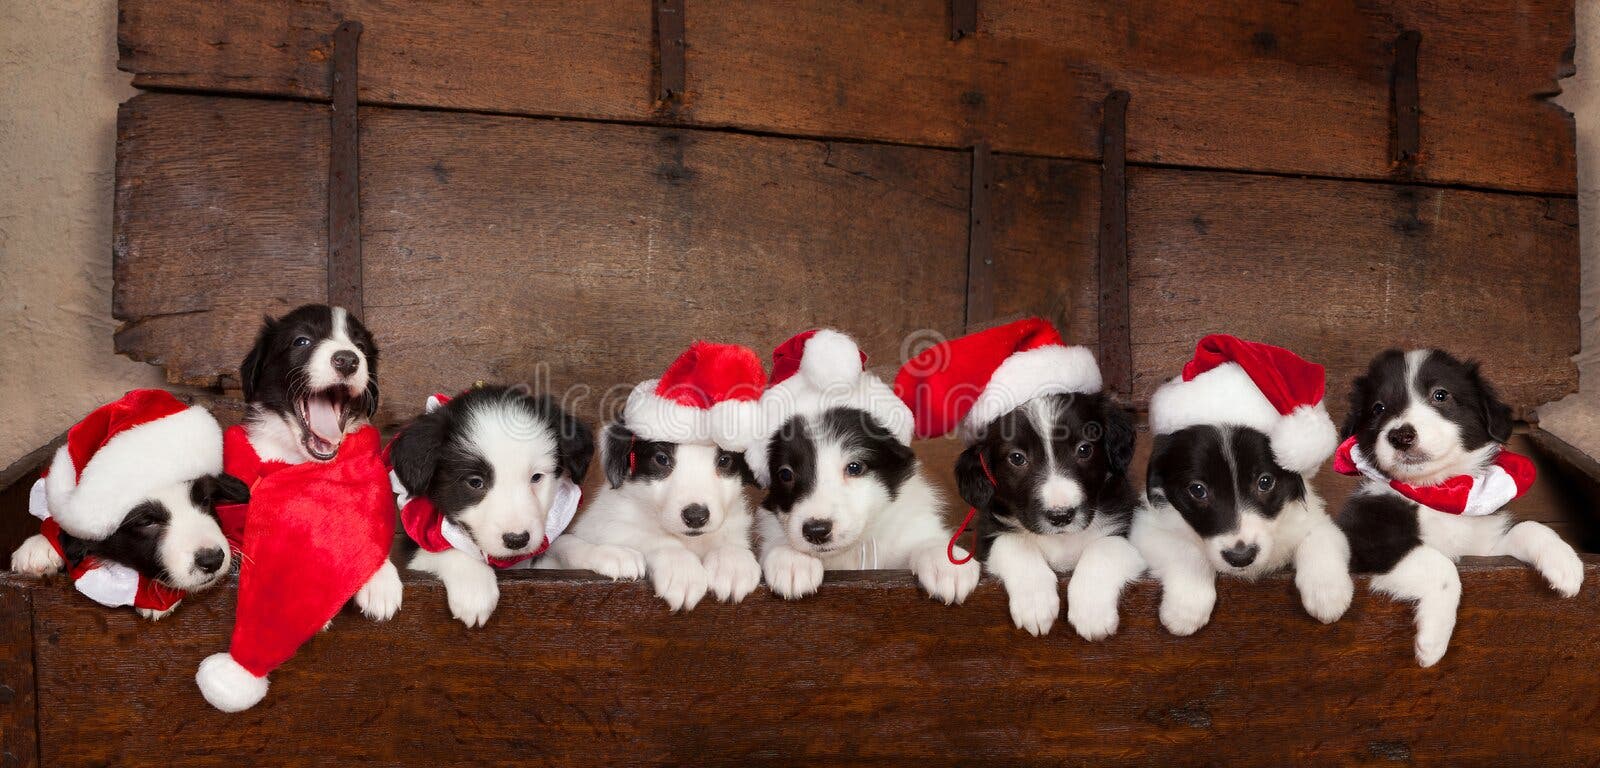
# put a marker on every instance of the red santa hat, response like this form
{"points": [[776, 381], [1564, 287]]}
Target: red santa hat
{"points": [[816, 371], [1249, 384], [125, 452], [965, 383], [710, 394]]}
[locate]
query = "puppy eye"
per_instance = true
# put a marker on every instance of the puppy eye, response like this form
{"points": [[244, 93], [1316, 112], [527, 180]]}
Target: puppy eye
{"points": [[854, 469], [1017, 459], [724, 461], [1265, 482], [785, 475], [1198, 490], [662, 459], [537, 476], [301, 341], [1378, 409], [1440, 395], [1085, 450], [475, 482]]}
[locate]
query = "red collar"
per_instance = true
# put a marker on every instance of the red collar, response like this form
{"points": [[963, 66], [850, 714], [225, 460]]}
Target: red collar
{"points": [[149, 594], [425, 525], [1508, 478]]}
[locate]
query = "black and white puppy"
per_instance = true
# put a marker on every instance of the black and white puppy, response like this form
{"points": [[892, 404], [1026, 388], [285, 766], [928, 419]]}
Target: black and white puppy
{"points": [[1218, 503], [311, 379], [673, 511], [847, 495], [1422, 417], [1060, 500], [494, 462], [172, 538]]}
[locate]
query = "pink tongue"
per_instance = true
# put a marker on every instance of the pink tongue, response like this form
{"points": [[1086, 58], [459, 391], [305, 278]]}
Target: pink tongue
{"points": [[324, 420]]}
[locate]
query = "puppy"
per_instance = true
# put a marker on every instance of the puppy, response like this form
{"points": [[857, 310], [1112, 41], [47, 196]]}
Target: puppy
{"points": [[492, 464], [171, 538], [673, 511], [1059, 498], [310, 380], [847, 495], [1420, 418], [1218, 502]]}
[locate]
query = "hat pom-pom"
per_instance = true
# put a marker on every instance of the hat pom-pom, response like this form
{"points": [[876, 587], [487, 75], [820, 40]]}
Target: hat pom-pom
{"points": [[227, 685], [831, 359], [1304, 439]]}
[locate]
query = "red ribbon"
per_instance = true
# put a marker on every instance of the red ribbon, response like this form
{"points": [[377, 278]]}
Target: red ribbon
{"points": [[950, 549]]}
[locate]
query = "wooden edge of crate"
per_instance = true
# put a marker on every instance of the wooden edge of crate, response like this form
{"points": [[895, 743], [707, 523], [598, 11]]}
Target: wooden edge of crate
{"points": [[19, 733]]}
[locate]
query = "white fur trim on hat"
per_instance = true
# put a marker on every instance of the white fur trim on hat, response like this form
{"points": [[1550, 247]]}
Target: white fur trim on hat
{"points": [[1301, 441], [1029, 374], [132, 466], [730, 424], [227, 685]]}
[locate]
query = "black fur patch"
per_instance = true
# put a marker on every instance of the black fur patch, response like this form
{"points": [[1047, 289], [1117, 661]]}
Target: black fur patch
{"points": [[792, 454], [1382, 529], [1210, 474], [1092, 423]]}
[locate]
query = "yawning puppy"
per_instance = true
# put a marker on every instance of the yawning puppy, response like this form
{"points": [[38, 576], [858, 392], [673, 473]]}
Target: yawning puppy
{"points": [[1238, 435], [674, 511], [310, 380], [490, 471], [1049, 481], [1418, 419], [847, 495]]}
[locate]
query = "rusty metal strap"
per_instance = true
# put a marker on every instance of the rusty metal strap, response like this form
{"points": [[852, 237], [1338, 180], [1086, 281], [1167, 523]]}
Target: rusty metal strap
{"points": [[1116, 347], [344, 176], [670, 44], [1406, 102], [980, 254], [963, 18]]}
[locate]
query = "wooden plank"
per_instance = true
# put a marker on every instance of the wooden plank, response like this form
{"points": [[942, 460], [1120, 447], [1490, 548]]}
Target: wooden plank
{"points": [[1115, 353], [19, 732], [220, 216], [1339, 272], [980, 241], [344, 174], [1407, 111], [575, 671], [1281, 87], [670, 46]]}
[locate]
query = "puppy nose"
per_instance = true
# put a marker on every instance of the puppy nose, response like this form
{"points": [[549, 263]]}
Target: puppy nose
{"points": [[209, 559], [1060, 516], [696, 515], [345, 362], [516, 540], [817, 531], [1403, 437], [1239, 555]]}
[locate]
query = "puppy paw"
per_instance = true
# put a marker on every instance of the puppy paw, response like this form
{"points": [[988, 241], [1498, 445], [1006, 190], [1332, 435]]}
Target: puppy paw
{"points": [[1093, 620], [36, 557], [791, 574], [155, 615], [1562, 568], [616, 562], [1034, 609], [380, 597], [679, 579], [473, 597], [1432, 642], [732, 573], [1184, 615], [943, 580], [1325, 596]]}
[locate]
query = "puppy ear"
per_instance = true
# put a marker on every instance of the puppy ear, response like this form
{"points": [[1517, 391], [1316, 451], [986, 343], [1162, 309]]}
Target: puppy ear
{"points": [[250, 369], [1154, 483], [618, 441], [415, 451], [1119, 434], [1358, 407], [971, 481], [74, 549], [1496, 414], [210, 490], [575, 444]]}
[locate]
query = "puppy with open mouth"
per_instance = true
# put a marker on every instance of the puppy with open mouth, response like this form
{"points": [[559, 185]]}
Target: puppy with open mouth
{"points": [[1427, 434], [674, 507], [1045, 467], [845, 492], [128, 505], [1238, 436]]}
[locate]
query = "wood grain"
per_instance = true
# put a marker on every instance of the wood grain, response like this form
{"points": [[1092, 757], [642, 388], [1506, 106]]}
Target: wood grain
{"points": [[1339, 272], [1282, 87], [574, 671], [19, 734]]}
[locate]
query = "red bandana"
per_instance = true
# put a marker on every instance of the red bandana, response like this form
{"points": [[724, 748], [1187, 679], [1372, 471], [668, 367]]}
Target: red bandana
{"points": [[426, 526], [1509, 477], [150, 594]]}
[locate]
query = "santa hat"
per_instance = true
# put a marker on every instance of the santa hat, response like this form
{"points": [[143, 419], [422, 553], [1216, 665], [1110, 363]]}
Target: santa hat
{"points": [[710, 394], [125, 452], [813, 372], [965, 383], [1249, 384]]}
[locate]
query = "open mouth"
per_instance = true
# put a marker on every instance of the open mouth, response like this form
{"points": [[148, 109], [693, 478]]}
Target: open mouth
{"points": [[323, 416]]}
